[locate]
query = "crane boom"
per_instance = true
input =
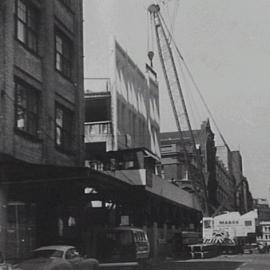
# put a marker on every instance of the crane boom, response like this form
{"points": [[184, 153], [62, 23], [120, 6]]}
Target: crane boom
{"points": [[178, 102]]}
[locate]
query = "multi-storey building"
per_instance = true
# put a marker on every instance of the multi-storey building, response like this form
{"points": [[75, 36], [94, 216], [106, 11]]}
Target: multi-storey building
{"points": [[236, 168], [121, 137], [173, 160], [264, 238], [232, 162], [246, 196], [41, 84], [263, 208], [225, 186], [122, 111]]}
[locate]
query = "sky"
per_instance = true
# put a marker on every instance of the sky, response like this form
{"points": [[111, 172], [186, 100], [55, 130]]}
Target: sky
{"points": [[225, 43]]}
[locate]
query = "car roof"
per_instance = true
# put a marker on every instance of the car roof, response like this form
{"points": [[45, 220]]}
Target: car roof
{"points": [[55, 247]]}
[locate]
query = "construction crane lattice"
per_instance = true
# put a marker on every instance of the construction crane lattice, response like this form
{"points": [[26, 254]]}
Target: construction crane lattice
{"points": [[177, 100]]}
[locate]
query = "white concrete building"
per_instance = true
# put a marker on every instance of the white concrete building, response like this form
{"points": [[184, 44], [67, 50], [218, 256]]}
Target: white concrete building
{"points": [[265, 236]]}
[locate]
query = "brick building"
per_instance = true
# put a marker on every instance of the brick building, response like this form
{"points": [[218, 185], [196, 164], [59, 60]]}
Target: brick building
{"points": [[232, 162], [236, 168], [225, 188], [173, 161], [41, 84]]}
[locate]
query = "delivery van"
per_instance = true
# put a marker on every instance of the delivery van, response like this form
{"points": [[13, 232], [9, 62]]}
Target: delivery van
{"points": [[124, 245]]}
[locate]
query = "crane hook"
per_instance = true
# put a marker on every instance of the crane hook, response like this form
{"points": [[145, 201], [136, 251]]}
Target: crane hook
{"points": [[151, 56]]}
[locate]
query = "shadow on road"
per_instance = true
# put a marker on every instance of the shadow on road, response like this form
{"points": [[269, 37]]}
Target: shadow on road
{"points": [[207, 265]]}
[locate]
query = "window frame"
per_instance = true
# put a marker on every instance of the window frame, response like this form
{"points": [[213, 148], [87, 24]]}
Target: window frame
{"points": [[248, 223], [31, 96], [67, 134], [31, 19], [65, 55]]}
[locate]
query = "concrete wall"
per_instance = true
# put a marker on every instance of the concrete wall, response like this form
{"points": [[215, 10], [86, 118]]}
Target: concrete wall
{"points": [[134, 104]]}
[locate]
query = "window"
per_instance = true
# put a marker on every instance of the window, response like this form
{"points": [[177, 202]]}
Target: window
{"points": [[207, 224], [72, 253], [63, 54], [47, 253], [26, 24], [64, 127], [27, 101], [248, 223]]}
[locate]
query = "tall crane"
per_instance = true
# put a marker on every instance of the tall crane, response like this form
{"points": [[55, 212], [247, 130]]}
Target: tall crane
{"points": [[178, 103]]}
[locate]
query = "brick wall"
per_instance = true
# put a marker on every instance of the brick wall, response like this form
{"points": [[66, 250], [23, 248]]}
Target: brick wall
{"points": [[39, 72]]}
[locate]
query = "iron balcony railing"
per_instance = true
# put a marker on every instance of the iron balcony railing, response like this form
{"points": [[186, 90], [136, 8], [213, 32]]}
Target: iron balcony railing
{"points": [[94, 131]]}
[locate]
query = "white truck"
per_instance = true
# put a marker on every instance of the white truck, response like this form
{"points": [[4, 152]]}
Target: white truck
{"points": [[229, 227]]}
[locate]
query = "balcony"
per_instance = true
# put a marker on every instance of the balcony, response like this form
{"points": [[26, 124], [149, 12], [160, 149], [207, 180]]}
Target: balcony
{"points": [[97, 131]]}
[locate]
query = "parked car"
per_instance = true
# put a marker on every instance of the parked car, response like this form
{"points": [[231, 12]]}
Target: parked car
{"points": [[4, 265], [126, 245], [62, 257]]}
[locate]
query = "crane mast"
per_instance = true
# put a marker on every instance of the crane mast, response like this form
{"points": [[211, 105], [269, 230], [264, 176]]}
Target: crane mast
{"points": [[178, 102]]}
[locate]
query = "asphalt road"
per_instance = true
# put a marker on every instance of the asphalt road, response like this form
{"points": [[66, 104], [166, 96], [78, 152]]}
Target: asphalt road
{"points": [[223, 262]]}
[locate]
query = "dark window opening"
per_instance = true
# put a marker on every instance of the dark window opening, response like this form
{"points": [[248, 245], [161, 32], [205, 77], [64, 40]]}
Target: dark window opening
{"points": [[63, 127], [63, 54], [27, 100], [97, 109], [26, 24]]}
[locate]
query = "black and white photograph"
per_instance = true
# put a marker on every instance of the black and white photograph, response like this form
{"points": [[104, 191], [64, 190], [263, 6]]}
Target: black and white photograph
{"points": [[134, 134]]}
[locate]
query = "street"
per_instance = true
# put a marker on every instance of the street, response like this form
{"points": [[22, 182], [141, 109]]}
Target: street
{"points": [[223, 262]]}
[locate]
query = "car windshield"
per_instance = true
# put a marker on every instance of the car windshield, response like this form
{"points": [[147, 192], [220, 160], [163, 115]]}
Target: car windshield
{"points": [[47, 253]]}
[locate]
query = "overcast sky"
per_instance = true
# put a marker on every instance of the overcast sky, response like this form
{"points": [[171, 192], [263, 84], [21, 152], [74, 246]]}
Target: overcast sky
{"points": [[226, 44]]}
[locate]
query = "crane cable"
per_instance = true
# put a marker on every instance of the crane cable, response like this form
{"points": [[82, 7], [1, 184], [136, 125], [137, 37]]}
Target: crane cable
{"points": [[185, 79], [196, 86], [201, 97], [175, 10], [204, 103]]}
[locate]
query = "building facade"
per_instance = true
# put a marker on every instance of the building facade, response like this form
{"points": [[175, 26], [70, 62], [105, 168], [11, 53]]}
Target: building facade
{"points": [[261, 204], [232, 162], [42, 81], [122, 111], [121, 137], [173, 158], [236, 168], [41, 100], [264, 238], [225, 188]]}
